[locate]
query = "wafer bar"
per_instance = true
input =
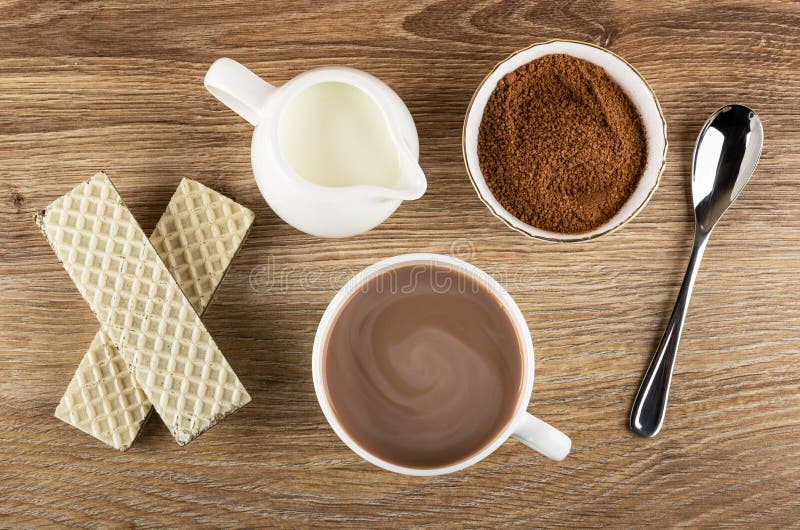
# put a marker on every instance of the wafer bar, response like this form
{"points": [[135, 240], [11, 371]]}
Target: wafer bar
{"points": [[142, 309], [197, 237]]}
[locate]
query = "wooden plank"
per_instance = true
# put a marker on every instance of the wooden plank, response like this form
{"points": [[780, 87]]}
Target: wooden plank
{"points": [[118, 86]]}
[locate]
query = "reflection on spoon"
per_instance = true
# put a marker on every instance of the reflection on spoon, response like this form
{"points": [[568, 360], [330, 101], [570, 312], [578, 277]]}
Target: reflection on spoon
{"points": [[725, 156]]}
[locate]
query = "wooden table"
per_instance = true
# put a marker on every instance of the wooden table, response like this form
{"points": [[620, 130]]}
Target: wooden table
{"points": [[118, 86]]}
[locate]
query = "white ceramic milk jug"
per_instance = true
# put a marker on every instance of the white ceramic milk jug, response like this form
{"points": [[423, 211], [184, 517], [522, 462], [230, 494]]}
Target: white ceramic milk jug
{"points": [[334, 152]]}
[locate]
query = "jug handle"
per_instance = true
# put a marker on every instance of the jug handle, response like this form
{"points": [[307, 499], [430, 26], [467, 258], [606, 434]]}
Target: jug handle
{"points": [[238, 88]]}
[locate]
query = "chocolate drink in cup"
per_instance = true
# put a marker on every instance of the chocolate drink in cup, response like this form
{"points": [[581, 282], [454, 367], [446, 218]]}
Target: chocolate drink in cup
{"points": [[423, 366]]}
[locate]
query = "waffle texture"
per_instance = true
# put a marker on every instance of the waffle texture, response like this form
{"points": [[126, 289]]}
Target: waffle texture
{"points": [[143, 311], [197, 237]]}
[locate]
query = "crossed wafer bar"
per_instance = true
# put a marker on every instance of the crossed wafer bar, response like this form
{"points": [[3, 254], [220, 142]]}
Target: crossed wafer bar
{"points": [[152, 346]]}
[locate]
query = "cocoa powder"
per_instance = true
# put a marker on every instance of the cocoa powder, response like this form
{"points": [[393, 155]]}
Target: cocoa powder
{"points": [[561, 146]]}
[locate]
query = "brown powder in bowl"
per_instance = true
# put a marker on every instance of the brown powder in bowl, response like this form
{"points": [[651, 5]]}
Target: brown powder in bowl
{"points": [[561, 146]]}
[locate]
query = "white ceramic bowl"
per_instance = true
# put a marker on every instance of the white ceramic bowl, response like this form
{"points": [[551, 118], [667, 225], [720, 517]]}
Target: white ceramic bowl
{"points": [[634, 86]]}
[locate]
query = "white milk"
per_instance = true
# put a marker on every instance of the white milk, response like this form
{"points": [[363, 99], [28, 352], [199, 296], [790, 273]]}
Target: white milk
{"points": [[333, 134]]}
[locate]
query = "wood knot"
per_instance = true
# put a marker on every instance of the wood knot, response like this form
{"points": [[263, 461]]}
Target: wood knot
{"points": [[17, 200]]}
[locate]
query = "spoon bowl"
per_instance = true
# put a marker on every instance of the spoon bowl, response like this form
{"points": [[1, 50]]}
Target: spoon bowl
{"points": [[725, 156]]}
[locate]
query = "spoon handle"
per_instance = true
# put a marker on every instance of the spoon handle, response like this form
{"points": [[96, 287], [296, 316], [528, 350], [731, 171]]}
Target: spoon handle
{"points": [[650, 405]]}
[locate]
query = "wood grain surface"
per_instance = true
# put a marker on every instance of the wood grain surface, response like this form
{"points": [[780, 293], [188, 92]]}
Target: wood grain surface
{"points": [[118, 86]]}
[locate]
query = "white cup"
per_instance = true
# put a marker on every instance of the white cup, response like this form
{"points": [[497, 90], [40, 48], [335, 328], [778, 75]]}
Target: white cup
{"points": [[523, 426]]}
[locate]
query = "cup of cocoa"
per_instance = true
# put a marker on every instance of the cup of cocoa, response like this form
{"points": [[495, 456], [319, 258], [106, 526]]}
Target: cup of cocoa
{"points": [[423, 365], [564, 141]]}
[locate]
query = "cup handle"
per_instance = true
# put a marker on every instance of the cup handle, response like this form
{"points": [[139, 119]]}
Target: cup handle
{"points": [[238, 88], [542, 437]]}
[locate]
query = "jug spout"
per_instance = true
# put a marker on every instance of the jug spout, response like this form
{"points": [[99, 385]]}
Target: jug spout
{"points": [[412, 182]]}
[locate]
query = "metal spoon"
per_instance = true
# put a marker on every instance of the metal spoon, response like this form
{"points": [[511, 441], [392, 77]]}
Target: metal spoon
{"points": [[725, 155]]}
